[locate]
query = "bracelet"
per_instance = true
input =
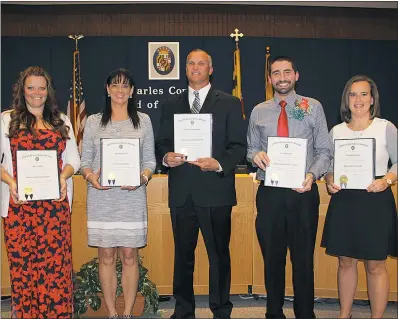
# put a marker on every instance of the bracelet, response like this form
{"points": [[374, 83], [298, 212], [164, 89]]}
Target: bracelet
{"points": [[86, 178], [146, 177]]}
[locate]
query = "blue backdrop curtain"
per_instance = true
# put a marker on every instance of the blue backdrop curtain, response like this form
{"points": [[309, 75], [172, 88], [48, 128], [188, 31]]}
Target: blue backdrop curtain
{"points": [[324, 65]]}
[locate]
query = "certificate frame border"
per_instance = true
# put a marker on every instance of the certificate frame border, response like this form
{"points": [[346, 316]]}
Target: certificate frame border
{"points": [[356, 139], [58, 173], [194, 114], [152, 73], [101, 157], [306, 153]]}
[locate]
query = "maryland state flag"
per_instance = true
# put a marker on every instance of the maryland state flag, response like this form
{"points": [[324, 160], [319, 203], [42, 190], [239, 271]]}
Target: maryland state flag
{"points": [[237, 78], [269, 92], [76, 110]]}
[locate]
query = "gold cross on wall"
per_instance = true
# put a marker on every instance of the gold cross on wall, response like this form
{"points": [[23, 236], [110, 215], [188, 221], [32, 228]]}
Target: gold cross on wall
{"points": [[236, 35]]}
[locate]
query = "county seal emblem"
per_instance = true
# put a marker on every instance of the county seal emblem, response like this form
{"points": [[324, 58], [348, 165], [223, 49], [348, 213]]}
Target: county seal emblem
{"points": [[163, 60]]}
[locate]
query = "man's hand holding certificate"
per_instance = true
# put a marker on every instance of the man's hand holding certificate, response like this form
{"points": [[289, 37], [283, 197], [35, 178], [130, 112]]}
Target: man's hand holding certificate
{"points": [[287, 162]]}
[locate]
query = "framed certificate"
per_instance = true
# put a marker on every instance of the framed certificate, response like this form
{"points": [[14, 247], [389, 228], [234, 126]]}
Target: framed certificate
{"points": [[120, 162], [193, 135], [288, 159], [354, 162], [37, 175]]}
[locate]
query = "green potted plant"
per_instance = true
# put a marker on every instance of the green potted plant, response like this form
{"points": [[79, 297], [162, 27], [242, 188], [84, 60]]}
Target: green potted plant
{"points": [[87, 291]]}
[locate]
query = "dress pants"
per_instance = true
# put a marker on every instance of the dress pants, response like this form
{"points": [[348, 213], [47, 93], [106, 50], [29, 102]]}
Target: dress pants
{"points": [[215, 225], [287, 219]]}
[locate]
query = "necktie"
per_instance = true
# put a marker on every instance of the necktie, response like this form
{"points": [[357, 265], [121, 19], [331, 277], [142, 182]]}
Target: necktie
{"points": [[196, 103], [283, 129]]}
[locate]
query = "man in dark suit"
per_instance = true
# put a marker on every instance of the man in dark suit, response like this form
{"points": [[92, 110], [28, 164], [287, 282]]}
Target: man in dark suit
{"points": [[202, 192]]}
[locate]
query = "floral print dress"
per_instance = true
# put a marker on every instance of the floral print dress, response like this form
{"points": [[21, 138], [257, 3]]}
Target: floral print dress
{"points": [[38, 241]]}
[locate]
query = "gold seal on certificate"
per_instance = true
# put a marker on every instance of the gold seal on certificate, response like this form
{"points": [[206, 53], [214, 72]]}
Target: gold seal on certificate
{"points": [[288, 158], [343, 181], [120, 162], [193, 135], [28, 191], [37, 175], [354, 162]]}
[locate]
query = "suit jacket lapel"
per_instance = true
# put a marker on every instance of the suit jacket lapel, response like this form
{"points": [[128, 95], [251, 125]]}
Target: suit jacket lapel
{"points": [[211, 99], [184, 103]]}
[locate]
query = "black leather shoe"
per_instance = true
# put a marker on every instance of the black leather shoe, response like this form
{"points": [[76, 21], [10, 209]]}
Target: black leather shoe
{"points": [[280, 316], [174, 316]]}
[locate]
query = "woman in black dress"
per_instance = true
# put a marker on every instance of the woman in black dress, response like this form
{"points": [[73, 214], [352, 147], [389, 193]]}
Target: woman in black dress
{"points": [[362, 224]]}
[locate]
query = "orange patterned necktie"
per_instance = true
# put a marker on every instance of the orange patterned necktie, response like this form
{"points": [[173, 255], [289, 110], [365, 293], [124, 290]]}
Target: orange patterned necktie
{"points": [[283, 129]]}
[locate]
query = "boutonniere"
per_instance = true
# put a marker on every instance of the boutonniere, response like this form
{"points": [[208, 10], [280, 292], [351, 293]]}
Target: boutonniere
{"points": [[300, 109]]}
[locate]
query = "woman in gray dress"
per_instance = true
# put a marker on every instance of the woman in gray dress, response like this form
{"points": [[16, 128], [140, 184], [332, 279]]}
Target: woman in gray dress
{"points": [[117, 216]]}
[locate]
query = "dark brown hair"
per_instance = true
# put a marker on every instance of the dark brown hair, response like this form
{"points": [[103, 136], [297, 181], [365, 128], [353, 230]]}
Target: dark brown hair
{"points": [[280, 58], [345, 112], [21, 117]]}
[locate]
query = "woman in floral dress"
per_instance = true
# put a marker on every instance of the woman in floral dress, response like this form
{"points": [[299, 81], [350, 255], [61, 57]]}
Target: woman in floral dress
{"points": [[38, 233]]}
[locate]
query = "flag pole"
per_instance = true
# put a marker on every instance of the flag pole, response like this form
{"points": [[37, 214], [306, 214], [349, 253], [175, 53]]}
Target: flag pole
{"points": [[73, 107], [269, 93], [237, 75]]}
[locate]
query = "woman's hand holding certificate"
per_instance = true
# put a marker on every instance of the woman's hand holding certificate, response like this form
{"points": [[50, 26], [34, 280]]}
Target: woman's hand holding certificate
{"points": [[93, 178], [14, 193], [62, 183], [144, 181], [330, 185], [378, 185]]}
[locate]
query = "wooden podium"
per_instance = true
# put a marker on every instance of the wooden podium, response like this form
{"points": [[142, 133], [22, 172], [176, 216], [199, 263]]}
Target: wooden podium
{"points": [[246, 259]]}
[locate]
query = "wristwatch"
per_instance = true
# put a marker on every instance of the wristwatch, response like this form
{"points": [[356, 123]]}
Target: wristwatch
{"points": [[389, 181], [146, 178]]}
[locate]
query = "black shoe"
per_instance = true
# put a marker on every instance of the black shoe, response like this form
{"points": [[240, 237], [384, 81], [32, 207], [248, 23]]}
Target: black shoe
{"points": [[280, 316], [174, 316]]}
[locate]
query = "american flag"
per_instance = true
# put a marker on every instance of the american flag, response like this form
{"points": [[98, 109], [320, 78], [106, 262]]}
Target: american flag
{"points": [[76, 110]]}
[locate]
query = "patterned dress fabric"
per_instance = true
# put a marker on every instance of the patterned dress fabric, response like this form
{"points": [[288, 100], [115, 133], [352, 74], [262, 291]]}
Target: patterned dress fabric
{"points": [[38, 241]]}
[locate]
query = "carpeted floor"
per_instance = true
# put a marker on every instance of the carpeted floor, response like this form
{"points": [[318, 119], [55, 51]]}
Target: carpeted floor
{"points": [[249, 307]]}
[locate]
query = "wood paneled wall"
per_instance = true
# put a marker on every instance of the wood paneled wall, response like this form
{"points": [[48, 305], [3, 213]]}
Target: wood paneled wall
{"points": [[199, 20], [246, 260]]}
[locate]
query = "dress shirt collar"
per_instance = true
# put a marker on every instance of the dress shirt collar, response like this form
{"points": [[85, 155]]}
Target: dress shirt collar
{"points": [[290, 99], [202, 94]]}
